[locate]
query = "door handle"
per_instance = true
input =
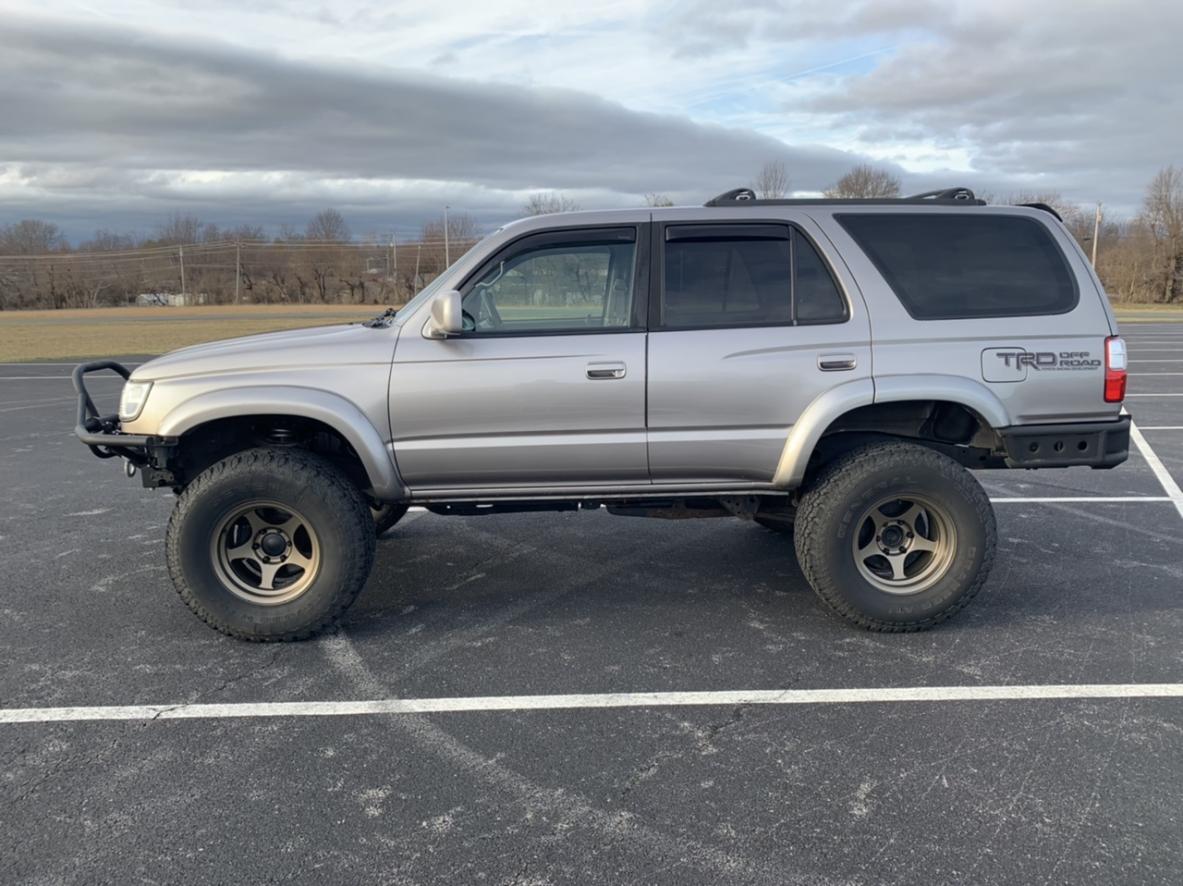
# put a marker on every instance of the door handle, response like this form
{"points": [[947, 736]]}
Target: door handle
{"points": [[836, 362], [605, 370]]}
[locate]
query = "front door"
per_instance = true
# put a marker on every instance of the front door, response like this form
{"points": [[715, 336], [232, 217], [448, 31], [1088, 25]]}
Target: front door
{"points": [[748, 327], [546, 386]]}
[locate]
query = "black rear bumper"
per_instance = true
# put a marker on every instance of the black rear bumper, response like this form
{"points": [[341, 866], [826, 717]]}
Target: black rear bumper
{"points": [[101, 432], [1101, 444]]}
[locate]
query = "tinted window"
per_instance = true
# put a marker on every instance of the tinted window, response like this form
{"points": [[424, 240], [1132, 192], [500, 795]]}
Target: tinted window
{"points": [[726, 282], [814, 292], [946, 266], [745, 275], [555, 288]]}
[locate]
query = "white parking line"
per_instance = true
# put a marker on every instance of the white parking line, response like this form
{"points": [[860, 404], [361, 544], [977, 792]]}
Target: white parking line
{"points": [[1162, 427], [1170, 487], [591, 702], [1095, 499]]}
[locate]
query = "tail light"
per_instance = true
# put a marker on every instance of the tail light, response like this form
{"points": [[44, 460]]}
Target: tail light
{"points": [[1115, 369]]}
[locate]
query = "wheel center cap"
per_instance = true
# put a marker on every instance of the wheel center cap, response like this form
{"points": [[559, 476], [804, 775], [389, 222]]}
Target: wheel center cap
{"points": [[273, 544], [892, 537]]}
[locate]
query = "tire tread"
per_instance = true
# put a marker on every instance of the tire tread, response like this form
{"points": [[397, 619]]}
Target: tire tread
{"points": [[835, 483], [327, 482]]}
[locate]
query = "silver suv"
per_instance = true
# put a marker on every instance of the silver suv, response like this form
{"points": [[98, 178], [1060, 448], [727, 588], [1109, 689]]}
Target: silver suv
{"points": [[825, 368]]}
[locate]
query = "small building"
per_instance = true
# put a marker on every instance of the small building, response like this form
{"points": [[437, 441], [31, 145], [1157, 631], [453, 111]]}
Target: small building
{"points": [[171, 299]]}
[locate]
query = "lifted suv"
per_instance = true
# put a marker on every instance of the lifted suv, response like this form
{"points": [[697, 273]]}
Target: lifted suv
{"points": [[829, 365]]}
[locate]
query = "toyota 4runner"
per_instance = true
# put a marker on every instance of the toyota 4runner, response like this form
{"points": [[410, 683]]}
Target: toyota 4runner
{"points": [[826, 368]]}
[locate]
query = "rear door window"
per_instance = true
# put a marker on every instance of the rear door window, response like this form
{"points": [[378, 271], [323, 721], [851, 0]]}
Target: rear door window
{"points": [[947, 266], [744, 274]]}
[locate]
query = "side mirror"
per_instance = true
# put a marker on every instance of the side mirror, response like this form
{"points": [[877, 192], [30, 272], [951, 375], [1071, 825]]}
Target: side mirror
{"points": [[447, 314]]}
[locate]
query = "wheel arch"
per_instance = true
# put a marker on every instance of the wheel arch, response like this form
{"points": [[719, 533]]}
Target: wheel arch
{"points": [[855, 405], [335, 413]]}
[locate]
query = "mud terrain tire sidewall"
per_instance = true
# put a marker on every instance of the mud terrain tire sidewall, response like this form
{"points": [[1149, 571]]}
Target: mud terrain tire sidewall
{"points": [[309, 484], [833, 504]]}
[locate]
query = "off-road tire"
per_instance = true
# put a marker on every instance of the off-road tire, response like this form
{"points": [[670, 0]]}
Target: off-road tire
{"points": [[386, 515], [310, 484], [830, 509]]}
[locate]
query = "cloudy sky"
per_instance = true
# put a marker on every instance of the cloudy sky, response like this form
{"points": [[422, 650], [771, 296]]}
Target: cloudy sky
{"points": [[115, 114]]}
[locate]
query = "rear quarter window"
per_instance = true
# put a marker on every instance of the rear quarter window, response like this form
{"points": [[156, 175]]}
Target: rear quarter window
{"points": [[949, 266]]}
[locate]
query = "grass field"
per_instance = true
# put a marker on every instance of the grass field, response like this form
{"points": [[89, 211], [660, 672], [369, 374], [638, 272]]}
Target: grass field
{"points": [[1149, 313], [115, 332]]}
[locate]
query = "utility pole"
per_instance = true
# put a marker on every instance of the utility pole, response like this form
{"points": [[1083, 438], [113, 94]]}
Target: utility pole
{"points": [[181, 252], [1096, 234], [415, 282], [447, 253], [237, 268]]}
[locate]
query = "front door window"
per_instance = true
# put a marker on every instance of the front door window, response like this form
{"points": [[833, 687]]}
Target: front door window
{"points": [[560, 288]]}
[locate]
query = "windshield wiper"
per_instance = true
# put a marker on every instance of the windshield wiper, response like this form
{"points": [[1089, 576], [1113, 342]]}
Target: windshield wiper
{"points": [[382, 320]]}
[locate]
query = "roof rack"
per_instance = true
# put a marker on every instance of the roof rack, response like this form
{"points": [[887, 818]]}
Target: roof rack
{"points": [[744, 196]]}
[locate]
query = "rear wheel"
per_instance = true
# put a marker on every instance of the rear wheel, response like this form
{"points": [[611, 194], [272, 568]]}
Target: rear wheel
{"points": [[895, 536], [270, 544]]}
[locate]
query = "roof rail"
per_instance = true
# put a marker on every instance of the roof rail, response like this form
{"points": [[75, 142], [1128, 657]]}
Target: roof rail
{"points": [[945, 194], [746, 196], [736, 195], [1045, 208]]}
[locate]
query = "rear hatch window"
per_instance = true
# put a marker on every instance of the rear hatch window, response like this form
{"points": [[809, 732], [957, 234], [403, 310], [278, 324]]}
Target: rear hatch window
{"points": [[948, 266]]}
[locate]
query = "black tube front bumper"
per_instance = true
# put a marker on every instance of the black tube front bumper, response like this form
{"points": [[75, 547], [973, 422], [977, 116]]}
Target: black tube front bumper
{"points": [[1101, 444], [101, 432]]}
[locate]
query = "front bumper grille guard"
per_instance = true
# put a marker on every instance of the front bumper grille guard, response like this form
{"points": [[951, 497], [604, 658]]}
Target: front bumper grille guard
{"points": [[101, 432]]}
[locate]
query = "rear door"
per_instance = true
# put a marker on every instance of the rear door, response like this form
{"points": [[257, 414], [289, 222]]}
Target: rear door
{"points": [[748, 325]]}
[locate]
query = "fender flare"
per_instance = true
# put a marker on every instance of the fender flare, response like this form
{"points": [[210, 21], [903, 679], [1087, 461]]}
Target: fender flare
{"points": [[823, 411], [340, 414], [809, 427]]}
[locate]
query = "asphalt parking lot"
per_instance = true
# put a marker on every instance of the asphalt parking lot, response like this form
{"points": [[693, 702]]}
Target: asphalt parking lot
{"points": [[979, 785]]}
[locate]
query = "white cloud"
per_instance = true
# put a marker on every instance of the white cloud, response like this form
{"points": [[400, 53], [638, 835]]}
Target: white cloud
{"points": [[262, 112]]}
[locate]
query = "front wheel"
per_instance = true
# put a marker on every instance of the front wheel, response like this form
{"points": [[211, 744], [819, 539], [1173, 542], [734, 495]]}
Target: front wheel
{"points": [[270, 544], [385, 515], [895, 536]]}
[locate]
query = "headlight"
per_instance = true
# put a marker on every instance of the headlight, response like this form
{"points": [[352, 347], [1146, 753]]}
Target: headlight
{"points": [[131, 401]]}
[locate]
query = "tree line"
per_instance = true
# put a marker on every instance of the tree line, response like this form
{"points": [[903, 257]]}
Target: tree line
{"points": [[1138, 259]]}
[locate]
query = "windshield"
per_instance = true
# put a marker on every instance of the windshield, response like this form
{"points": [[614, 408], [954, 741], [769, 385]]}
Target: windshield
{"points": [[425, 293], [430, 289]]}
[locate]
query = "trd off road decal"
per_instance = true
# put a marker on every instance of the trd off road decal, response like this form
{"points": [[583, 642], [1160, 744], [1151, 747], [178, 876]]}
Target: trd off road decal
{"points": [[1048, 360]]}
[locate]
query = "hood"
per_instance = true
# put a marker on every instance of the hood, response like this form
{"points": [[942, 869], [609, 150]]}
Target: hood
{"points": [[295, 348]]}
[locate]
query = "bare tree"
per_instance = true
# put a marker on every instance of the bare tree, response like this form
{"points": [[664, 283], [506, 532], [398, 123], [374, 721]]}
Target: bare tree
{"points": [[108, 241], [31, 236], [865, 181], [328, 224], [548, 202], [773, 182], [1162, 215], [658, 200], [462, 233], [178, 230], [1079, 222], [243, 232]]}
